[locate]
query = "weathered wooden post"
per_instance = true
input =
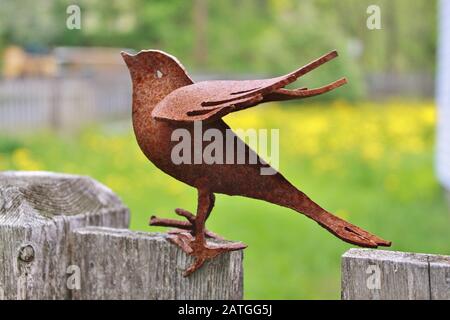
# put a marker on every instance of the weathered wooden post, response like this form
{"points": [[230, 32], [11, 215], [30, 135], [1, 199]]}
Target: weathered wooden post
{"points": [[141, 265], [389, 275], [65, 237]]}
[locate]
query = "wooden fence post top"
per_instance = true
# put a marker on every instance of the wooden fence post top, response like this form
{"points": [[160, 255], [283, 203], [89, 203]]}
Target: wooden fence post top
{"points": [[30, 197], [384, 255], [380, 274], [141, 265], [38, 212], [65, 237]]}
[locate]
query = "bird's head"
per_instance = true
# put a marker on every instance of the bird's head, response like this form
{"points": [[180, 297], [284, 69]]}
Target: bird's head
{"points": [[156, 70]]}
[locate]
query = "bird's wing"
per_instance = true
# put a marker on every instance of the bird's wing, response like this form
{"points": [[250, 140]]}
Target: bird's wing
{"points": [[211, 100]]}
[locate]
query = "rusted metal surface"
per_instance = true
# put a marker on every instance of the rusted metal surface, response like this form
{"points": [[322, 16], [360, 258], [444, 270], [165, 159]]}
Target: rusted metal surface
{"points": [[211, 100], [165, 99]]}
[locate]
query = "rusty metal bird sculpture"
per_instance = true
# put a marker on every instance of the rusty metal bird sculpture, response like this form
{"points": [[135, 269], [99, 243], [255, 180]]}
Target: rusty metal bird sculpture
{"points": [[166, 99]]}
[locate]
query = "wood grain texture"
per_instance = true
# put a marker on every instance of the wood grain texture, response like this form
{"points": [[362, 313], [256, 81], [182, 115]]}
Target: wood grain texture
{"points": [[439, 277], [38, 210], [50, 229], [121, 264], [388, 275]]}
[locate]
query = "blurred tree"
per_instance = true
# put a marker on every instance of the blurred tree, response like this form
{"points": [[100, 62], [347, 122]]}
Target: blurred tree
{"points": [[200, 19], [252, 36], [22, 23]]}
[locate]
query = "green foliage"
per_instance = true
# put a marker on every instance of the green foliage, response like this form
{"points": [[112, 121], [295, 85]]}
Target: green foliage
{"points": [[252, 36], [9, 144]]}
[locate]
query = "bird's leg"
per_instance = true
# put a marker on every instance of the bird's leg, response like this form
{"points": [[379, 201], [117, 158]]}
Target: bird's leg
{"points": [[191, 235], [201, 251], [194, 242], [205, 205], [198, 244]]}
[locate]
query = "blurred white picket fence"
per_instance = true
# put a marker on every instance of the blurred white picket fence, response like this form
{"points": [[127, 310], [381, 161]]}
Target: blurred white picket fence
{"points": [[64, 104]]}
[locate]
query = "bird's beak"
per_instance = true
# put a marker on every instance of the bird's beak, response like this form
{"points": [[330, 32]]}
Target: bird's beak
{"points": [[126, 57]]}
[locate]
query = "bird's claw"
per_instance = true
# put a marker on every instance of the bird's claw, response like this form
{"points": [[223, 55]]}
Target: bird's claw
{"points": [[194, 267], [181, 226], [193, 242], [208, 234], [200, 250]]}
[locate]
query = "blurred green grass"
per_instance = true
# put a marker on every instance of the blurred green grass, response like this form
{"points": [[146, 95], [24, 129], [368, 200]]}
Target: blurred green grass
{"points": [[372, 165]]}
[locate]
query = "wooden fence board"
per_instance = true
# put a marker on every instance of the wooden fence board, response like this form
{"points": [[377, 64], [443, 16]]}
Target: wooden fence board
{"points": [[389, 275]]}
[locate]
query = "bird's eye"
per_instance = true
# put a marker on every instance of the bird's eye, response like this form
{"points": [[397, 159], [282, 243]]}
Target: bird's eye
{"points": [[159, 74]]}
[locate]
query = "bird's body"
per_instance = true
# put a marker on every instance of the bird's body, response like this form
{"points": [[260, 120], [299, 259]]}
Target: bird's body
{"points": [[166, 99], [218, 178]]}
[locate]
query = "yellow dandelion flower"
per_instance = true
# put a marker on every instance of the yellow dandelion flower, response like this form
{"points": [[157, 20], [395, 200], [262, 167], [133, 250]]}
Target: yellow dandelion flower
{"points": [[372, 151], [429, 114], [22, 160]]}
